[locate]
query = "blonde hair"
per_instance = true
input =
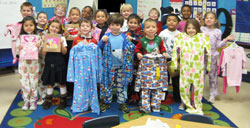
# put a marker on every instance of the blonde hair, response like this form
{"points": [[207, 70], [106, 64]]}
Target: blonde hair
{"points": [[126, 6], [64, 6], [217, 25], [154, 9]]}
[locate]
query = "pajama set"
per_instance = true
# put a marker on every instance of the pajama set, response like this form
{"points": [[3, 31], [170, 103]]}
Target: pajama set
{"points": [[152, 79], [84, 69], [120, 74], [215, 42], [192, 67]]}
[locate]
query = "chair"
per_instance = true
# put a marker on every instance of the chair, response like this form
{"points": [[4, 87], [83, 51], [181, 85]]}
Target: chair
{"points": [[197, 118], [102, 122]]}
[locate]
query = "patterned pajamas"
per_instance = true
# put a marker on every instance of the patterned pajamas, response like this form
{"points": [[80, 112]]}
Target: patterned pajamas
{"points": [[28, 70], [192, 67], [154, 102]]}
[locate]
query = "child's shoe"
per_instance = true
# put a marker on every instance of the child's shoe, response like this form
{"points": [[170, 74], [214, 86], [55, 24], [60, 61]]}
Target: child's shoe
{"points": [[124, 108], [104, 107], [40, 101], [63, 102], [25, 106], [181, 107], [48, 102], [144, 111], [14, 60], [33, 106], [211, 99]]}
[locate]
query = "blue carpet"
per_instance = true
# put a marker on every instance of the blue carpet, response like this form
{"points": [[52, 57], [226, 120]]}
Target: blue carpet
{"points": [[55, 118]]}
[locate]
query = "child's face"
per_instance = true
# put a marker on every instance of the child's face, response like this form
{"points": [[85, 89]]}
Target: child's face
{"points": [[26, 11], [186, 12], [100, 17], [60, 12], [133, 24], [150, 28], [153, 15], [126, 12], [191, 31], [54, 28], [42, 19], [210, 20], [115, 28], [85, 28], [29, 27], [74, 16], [172, 22], [86, 13]]}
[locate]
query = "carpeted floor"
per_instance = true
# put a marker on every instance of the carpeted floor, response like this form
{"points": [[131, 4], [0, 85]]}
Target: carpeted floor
{"points": [[55, 118]]}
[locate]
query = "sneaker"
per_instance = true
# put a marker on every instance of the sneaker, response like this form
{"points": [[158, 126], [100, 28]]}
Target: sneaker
{"points": [[144, 111], [40, 101], [104, 107], [33, 106], [211, 99], [124, 108], [181, 107], [25, 106]]}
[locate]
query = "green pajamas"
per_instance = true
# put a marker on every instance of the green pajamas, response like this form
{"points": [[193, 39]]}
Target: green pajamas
{"points": [[192, 52]]}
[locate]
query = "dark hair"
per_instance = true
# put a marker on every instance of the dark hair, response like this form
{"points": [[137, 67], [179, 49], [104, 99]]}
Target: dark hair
{"points": [[134, 16], [75, 8], [26, 4], [86, 20], [42, 12], [102, 10], [116, 19], [28, 18], [171, 14], [195, 23], [60, 26], [190, 7], [90, 9]]}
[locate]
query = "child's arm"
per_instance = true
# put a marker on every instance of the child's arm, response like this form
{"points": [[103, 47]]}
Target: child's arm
{"points": [[103, 41], [138, 51], [64, 49]]}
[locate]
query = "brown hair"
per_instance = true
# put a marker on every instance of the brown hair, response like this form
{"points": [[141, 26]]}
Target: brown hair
{"points": [[149, 20], [217, 25], [116, 19], [74, 8], [195, 23], [154, 9], [86, 20], [26, 4], [60, 26]]}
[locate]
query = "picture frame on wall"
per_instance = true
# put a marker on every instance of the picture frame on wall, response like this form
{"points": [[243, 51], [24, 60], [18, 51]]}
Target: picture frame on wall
{"points": [[52, 43]]}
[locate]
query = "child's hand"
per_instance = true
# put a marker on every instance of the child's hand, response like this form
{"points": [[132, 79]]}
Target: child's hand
{"points": [[20, 47], [176, 35], [141, 15], [230, 37], [66, 34], [105, 38], [129, 38], [165, 55], [139, 56], [37, 45]]}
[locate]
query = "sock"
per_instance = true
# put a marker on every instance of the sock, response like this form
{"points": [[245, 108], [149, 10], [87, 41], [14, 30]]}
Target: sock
{"points": [[63, 90], [50, 91]]}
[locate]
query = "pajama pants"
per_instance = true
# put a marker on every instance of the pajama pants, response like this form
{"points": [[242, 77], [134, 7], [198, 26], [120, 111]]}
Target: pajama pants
{"points": [[213, 77], [198, 84], [117, 80], [28, 70], [155, 102]]}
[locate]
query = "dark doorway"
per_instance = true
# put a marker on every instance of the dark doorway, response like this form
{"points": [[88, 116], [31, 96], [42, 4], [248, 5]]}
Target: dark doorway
{"points": [[110, 5]]}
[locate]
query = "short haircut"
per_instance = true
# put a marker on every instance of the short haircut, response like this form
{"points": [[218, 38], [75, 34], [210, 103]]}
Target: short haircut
{"points": [[190, 7], [126, 6], [116, 19], [149, 21], [74, 8], [42, 12], [134, 16], [195, 23], [102, 10], [26, 4], [171, 14], [154, 9], [86, 20]]}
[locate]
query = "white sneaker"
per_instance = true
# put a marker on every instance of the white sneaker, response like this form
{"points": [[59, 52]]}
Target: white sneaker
{"points": [[181, 107], [25, 106], [211, 99], [40, 101], [33, 106]]}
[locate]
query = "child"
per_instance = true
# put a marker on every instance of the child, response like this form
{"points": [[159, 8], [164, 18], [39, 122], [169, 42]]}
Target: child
{"points": [[101, 17], [147, 45], [87, 12], [60, 11], [133, 35], [168, 36], [211, 28], [85, 29], [117, 64], [42, 20], [55, 68], [125, 10], [186, 11], [26, 9], [28, 69], [154, 14], [74, 16], [192, 46], [84, 69]]}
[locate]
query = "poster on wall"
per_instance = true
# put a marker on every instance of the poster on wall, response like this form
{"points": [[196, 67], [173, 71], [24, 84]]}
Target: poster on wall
{"points": [[143, 6], [52, 3]]}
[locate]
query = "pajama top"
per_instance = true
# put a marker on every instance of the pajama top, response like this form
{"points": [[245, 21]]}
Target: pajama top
{"points": [[84, 69]]}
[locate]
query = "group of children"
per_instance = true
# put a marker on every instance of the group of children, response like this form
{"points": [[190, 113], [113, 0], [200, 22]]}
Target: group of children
{"points": [[126, 45]]}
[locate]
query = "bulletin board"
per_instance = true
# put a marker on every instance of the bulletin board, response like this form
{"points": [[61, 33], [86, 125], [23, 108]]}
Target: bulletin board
{"points": [[201, 6]]}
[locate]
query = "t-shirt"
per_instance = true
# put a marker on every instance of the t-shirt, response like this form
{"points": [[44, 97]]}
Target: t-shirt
{"points": [[168, 38], [116, 42], [181, 26]]}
